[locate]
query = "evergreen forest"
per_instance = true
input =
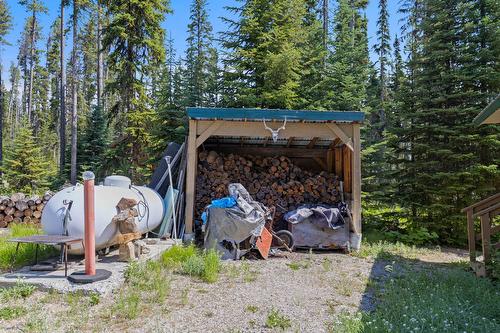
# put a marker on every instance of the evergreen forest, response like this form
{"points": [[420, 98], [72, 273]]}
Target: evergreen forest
{"points": [[106, 90]]}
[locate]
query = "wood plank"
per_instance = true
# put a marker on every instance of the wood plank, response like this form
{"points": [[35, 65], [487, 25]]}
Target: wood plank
{"points": [[290, 140], [256, 129], [335, 143], [488, 210], [471, 237], [346, 168], [330, 160], [492, 198], [312, 143], [192, 161], [125, 238], [338, 161], [207, 133], [485, 235], [341, 134], [356, 178]]}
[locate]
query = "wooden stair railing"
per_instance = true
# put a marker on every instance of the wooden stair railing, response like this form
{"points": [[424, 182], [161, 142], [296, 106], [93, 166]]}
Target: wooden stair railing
{"points": [[485, 210]]}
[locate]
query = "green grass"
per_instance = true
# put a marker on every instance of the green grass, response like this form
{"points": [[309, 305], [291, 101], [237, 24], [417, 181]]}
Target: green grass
{"points": [[277, 320], [252, 308], [26, 252], [188, 260], [128, 304], [20, 290], [12, 312], [430, 300], [387, 250]]}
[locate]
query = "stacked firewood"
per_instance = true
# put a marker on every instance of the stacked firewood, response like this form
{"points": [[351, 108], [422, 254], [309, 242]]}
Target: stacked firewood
{"points": [[273, 181], [21, 208]]}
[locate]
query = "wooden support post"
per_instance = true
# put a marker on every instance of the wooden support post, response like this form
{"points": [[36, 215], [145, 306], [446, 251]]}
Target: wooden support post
{"points": [[485, 233], [338, 161], [356, 179], [329, 160], [192, 162], [347, 168], [471, 236]]}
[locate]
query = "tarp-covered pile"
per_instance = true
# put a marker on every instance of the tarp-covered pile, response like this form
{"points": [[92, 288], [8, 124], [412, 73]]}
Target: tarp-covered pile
{"points": [[231, 220]]}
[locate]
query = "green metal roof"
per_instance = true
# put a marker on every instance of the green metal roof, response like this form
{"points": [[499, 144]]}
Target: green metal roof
{"points": [[275, 114], [482, 118]]}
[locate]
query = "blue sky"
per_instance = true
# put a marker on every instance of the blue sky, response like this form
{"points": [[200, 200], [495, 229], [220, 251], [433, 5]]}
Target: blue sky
{"points": [[175, 23]]}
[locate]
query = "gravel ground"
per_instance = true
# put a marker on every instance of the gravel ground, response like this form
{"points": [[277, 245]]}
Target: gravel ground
{"points": [[308, 290]]}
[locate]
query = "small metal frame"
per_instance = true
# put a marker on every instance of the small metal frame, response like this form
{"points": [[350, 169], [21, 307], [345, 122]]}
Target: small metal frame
{"points": [[63, 241]]}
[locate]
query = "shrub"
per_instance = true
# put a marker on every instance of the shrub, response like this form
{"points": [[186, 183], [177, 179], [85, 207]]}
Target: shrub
{"points": [[189, 260], [12, 312], [20, 290], [177, 254], [276, 320]]}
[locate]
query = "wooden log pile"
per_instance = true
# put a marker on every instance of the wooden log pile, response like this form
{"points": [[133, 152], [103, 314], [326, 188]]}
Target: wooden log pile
{"points": [[19, 208], [274, 181]]}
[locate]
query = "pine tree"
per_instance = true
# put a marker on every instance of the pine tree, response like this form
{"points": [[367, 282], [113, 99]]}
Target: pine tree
{"points": [[314, 53], [35, 7], [14, 109], [62, 94], [171, 115], [383, 49], [265, 46], [179, 86], [53, 69], [5, 26], [25, 168], [135, 38], [347, 68], [94, 143], [198, 54], [214, 78], [445, 162]]}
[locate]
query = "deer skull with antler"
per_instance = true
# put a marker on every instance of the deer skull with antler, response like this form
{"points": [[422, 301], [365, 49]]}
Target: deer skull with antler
{"points": [[274, 133]]}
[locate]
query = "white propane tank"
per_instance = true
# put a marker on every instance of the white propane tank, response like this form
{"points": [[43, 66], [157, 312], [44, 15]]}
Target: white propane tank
{"points": [[119, 181], [150, 207]]}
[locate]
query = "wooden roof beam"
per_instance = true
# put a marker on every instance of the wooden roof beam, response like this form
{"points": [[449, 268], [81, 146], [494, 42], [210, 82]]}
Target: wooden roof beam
{"points": [[312, 143], [206, 133], [341, 135]]}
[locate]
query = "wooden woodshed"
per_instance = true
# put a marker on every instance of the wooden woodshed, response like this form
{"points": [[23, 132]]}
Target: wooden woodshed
{"points": [[329, 139]]}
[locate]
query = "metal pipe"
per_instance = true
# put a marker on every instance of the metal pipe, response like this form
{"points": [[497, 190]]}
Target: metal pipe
{"points": [[89, 215]]}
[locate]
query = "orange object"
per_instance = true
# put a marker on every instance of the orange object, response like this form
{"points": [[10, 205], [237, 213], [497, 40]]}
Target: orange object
{"points": [[89, 214], [263, 243]]}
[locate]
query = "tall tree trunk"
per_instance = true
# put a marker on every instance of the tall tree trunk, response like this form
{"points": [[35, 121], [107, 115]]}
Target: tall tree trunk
{"points": [[74, 109], [325, 23], [1, 118], [100, 60], [10, 111], [32, 60], [62, 116]]}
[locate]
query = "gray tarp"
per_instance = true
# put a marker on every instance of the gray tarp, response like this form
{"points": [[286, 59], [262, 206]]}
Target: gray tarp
{"points": [[318, 226], [320, 215], [234, 225]]}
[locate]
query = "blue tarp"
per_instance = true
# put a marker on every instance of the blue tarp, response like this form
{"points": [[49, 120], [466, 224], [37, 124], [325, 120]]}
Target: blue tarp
{"points": [[226, 202]]}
